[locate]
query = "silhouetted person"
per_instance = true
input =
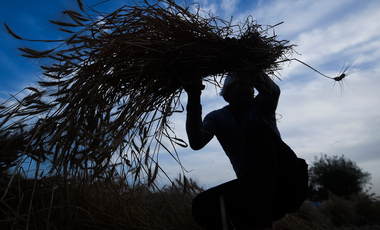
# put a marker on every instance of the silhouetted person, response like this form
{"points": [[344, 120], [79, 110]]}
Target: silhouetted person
{"points": [[269, 175]]}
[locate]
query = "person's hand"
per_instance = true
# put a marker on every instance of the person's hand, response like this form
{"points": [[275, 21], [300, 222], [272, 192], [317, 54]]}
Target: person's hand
{"points": [[194, 88], [194, 91]]}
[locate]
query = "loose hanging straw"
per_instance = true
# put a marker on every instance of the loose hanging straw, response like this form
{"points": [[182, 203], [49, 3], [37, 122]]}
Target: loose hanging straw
{"points": [[117, 78]]}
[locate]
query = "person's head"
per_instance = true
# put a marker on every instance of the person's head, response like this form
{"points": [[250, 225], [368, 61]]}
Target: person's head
{"points": [[237, 90]]}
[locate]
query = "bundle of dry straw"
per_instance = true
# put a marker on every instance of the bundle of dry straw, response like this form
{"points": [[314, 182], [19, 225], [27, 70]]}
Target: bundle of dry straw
{"points": [[115, 81]]}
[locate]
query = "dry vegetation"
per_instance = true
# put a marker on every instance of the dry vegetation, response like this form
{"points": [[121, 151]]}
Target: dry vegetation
{"points": [[112, 203], [62, 203], [359, 212], [111, 86]]}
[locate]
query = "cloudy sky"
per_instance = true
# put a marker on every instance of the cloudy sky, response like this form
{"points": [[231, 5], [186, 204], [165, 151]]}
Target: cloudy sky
{"points": [[317, 116]]}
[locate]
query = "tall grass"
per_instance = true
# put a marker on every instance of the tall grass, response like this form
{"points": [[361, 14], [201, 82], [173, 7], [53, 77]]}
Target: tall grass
{"points": [[62, 203], [83, 202]]}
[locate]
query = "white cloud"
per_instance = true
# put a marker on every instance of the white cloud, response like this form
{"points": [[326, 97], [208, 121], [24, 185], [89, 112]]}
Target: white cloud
{"points": [[341, 35], [228, 6], [297, 15], [208, 7]]}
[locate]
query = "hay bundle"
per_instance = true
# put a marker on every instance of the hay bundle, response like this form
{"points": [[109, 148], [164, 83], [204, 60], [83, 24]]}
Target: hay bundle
{"points": [[115, 81]]}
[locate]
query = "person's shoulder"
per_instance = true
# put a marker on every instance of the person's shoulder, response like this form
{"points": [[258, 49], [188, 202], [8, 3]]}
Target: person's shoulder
{"points": [[220, 111], [217, 113]]}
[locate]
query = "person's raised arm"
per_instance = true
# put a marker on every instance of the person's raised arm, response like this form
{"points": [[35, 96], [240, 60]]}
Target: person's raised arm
{"points": [[266, 86], [196, 133], [269, 91]]}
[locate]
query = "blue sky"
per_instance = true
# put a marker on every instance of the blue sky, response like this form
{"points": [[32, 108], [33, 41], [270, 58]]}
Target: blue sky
{"points": [[317, 116]]}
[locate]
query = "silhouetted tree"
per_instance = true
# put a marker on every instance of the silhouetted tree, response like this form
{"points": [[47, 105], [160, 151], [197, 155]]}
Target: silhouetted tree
{"points": [[341, 176]]}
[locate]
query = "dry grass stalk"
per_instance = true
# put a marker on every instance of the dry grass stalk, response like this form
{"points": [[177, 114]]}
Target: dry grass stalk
{"points": [[115, 81]]}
